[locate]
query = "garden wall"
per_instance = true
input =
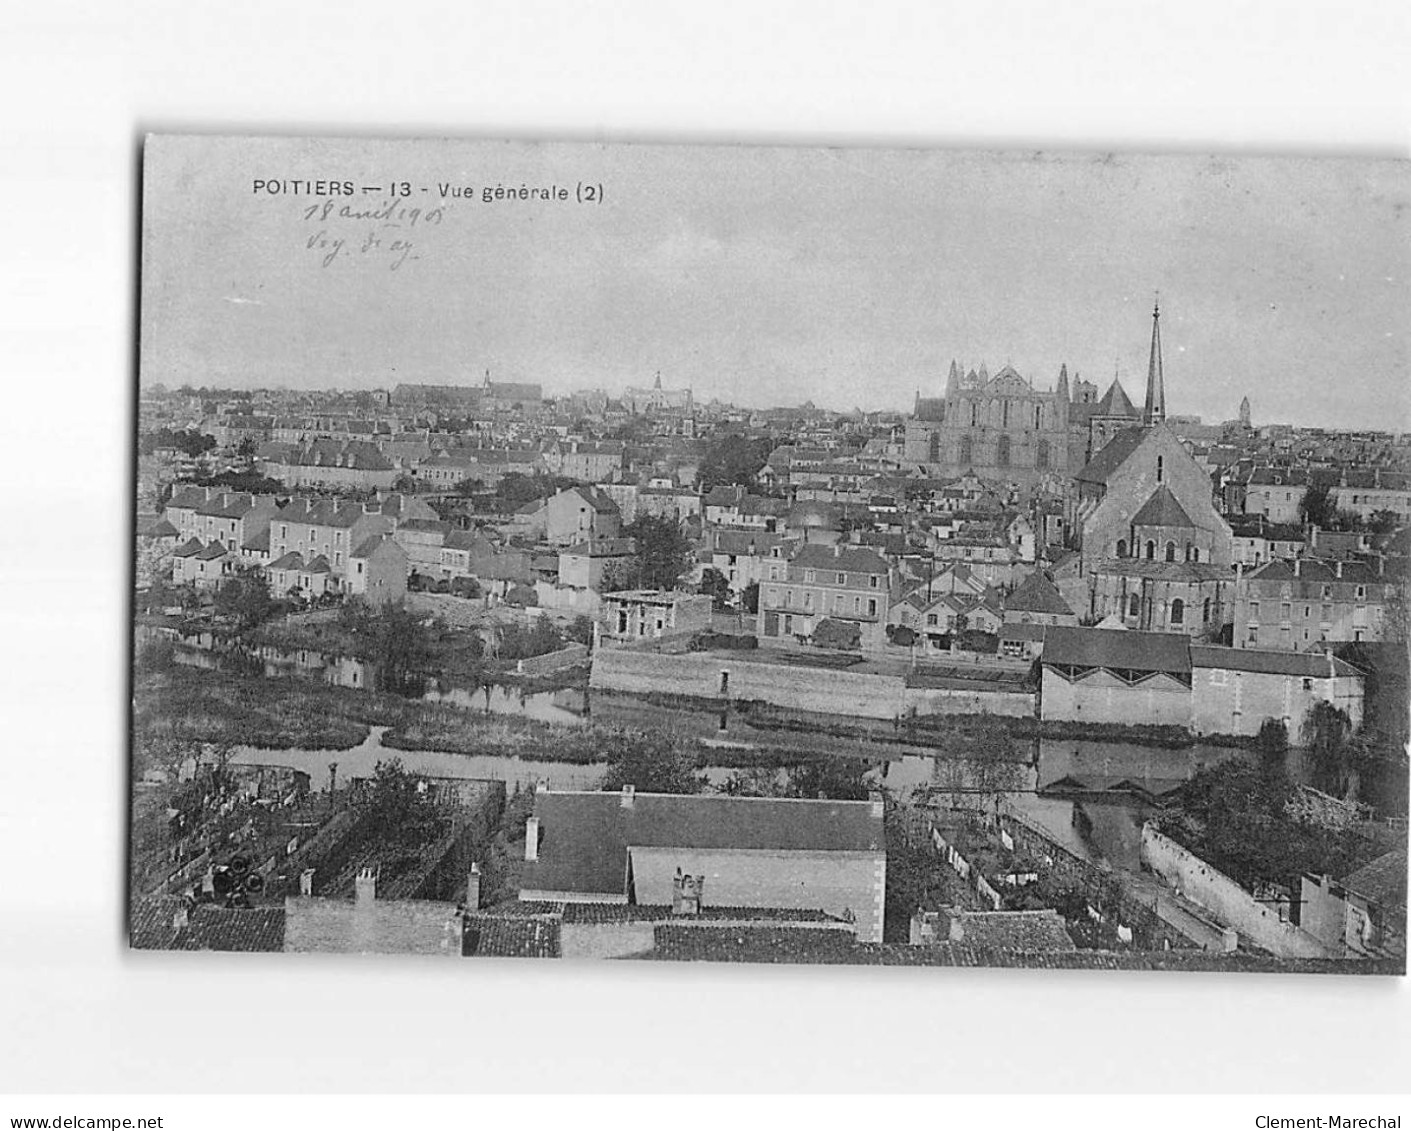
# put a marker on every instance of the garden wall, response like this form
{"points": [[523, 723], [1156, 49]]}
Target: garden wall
{"points": [[1226, 900], [1099, 887]]}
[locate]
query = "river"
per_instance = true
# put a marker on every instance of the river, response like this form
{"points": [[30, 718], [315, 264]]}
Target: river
{"points": [[1106, 828]]}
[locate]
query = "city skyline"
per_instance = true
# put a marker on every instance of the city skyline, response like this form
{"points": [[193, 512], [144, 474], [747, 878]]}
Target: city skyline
{"points": [[766, 277]]}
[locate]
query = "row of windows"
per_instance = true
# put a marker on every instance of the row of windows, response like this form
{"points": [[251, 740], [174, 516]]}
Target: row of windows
{"points": [[1286, 611], [811, 576], [313, 534], [840, 602], [1192, 552], [1326, 592], [1176, 613], [1003, 451], [1005, 415]]}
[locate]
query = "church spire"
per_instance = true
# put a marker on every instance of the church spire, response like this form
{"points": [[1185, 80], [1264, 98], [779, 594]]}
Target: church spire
{"points": [[1154, 411], [1062, 389], [953, 379]]}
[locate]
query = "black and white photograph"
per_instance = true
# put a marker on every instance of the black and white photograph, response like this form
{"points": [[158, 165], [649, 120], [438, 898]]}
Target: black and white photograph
{"points": [[842, 555]]}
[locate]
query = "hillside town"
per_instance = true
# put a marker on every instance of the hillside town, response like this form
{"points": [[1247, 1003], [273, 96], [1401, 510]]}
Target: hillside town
{"points": [[1038, 673]]}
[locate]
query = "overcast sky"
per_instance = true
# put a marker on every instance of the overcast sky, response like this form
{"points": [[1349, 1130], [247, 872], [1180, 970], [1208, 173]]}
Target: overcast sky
{"points": [[774, 276]]}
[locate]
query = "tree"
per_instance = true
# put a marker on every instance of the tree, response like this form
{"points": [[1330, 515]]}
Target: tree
{"points": [[1327, 733], [749, 599], [1317, 507], [1273, 745], [398, 808], [663, 553], [580, 630], [392, 639], [715, 586], [245, 599], [733, 460], [1384, 522], [650, 761]]}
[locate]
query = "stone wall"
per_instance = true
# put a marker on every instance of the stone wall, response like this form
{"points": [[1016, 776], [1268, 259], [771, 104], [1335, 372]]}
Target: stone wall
{"points": [[1226, 900], [867, 695]]}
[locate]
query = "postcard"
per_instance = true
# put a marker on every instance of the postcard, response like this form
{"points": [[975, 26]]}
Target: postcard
{"points": [[767, 554]]}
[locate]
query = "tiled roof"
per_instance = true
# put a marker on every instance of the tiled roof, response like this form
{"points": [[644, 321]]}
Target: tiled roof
{"points": [[1162, 509], [844, 558], [1006, 930], [1312, 665], [786, 945], [1037, 594], [368, 546], [1316, 570], [1165, 571], [213, 551], [188, 549], [502, 936], [292, 560], [1383, 880], [259, 543], [1101, 467], [208, 927], [1115, 402], [1132, 651]]}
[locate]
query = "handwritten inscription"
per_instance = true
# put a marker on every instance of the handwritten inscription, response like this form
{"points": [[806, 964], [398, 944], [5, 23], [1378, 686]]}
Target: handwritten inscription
{"points": [[391, 222], [383, 230]]}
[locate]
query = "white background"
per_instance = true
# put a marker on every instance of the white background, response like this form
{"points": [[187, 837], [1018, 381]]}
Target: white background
{"points": [[81, 82]]}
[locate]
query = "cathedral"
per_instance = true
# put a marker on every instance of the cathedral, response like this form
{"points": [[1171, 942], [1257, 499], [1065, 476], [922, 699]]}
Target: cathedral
{"points": [[1003, 428]]}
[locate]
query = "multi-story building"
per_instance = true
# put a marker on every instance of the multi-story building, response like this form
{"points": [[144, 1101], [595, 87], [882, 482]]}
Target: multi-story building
{"points": [[743, 557], [1297, 606], [576, 514], [1276, 493], [849, 586], [587, 564], [326, 528], [1365, 493]]}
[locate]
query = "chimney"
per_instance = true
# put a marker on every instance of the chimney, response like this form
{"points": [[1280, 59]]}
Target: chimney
{"points": [[531, 839], [306, 882], [181, 917], [472, 889], [686, 892], [956, 932], [1339, 570], [629, 795], [365, 887], [874, 799], [1297, 562]]}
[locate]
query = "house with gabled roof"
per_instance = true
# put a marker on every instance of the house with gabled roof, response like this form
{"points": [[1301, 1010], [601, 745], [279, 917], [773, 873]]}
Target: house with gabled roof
{"points": [[577, 513], [377, 570], [1038, 601], [631, 848]]}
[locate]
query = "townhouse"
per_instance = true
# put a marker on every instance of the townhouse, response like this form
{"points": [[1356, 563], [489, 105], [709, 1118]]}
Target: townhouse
{"points": [[847, 585]]}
